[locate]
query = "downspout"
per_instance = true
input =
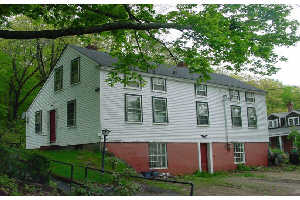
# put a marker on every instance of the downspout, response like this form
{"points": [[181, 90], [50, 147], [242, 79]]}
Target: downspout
{"points": [[226, 129]]}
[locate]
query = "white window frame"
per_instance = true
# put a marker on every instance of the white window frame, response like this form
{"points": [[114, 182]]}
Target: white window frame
{"points": [[250, 116], [234, 95], [274, 123], [201, 88], [232, 117], [153, 83], [154, 110], [159, 154], [138, 109], [293, 119], [239, 153], [198, 114], [250, 97]]}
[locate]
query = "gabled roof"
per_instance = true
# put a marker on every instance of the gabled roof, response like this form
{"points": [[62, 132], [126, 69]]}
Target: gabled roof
{"points": [[282, 114], [105, 59]]}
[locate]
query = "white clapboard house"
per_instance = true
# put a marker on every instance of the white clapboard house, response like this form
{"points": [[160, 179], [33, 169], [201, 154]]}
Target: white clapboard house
{"points": [[170, 125]]}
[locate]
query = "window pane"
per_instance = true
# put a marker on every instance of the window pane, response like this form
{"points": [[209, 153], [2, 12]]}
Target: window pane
{"points": [[75, 71], [160, 113], [133, 109], [159, 84], [201, 90], [71, 113], [157, 155], [133, 101]]}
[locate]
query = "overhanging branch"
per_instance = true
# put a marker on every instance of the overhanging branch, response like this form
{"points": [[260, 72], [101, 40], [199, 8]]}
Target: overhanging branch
{"points": [[53, 34]]}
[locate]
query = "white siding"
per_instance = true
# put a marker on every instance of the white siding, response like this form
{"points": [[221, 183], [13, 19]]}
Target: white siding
{"points": [[87, 106], [182, 126]]}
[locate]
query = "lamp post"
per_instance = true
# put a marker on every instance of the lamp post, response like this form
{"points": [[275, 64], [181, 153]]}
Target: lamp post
{"points": [[105, 133]]}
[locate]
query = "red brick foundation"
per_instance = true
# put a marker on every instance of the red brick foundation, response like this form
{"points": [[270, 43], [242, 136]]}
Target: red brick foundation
{"points": [[183, 157]]}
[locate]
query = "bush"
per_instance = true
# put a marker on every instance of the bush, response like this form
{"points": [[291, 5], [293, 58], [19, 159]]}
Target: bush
{"points": [[243, 167], [276, 157], [24, 165], [294, 157]]}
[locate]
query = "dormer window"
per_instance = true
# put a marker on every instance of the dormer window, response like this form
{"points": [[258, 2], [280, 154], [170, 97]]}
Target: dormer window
{"points": [[234, 95], [293, 121], [159, 84], [201, 90], [273, 123], [249, 97]]}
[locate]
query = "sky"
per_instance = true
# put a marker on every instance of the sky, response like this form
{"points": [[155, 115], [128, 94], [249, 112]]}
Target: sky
{"points": [[290, 70]]}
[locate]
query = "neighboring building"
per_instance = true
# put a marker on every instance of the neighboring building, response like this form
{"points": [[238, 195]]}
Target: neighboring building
{"points": [[171, 124], [280, 127]]}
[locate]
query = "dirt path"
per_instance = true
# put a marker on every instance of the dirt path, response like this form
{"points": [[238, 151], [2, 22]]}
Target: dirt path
{"points": [[255, 183], [270, 183]]}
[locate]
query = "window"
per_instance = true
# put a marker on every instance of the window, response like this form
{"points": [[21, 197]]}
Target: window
{"points": [[159, 109], [239, 153], [273, 123], [75, 71], [252, 121], [38, 122], [236, 117], [234, 95], [158, 84], [71, 113], [133, 108], [249, 97], [293, 121], [158, 156], [202, 113], [58, 78], [201, 90]]}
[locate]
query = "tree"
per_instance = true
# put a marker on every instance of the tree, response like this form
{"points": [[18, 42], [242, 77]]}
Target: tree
{"points": [[236, 37], [25, 65]]}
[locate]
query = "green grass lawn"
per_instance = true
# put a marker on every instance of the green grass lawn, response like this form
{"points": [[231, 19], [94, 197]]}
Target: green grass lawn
{"points": [[80, 158]]}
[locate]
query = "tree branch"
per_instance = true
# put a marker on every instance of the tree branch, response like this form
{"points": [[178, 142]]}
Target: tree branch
{"points": [[29, 92], [124, 25]]}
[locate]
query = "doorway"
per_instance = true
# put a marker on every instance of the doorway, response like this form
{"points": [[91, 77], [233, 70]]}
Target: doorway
{"points": [[52, 126], [203, 150]]}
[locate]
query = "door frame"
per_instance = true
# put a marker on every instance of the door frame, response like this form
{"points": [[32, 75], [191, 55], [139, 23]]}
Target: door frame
{"points": [[49, 125], [209, 156]]}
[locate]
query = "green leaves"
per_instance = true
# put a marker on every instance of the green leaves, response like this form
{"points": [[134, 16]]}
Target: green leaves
{"points": [[239, 37]]}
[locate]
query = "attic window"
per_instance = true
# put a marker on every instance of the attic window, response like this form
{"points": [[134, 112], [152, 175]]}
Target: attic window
{"points": [[158, 84], [75, 71], [234, 95], [201, 90], [249, 97], [293, 121]]}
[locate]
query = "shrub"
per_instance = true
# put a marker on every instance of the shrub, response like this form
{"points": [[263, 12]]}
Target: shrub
{"points": [[243, 167], [276, 157], [24, 165], [8, 185]]}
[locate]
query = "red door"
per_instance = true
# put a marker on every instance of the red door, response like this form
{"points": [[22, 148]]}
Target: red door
{"points": [[52, 127], [203, 149]]}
